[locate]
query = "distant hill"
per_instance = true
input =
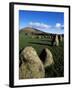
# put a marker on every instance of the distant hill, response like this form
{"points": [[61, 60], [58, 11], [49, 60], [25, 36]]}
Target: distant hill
{"points": [[35, 31], [31, 30]]}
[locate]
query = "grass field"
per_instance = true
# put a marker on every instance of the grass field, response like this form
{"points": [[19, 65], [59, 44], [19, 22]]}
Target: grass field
{"points": [[56, 70]]}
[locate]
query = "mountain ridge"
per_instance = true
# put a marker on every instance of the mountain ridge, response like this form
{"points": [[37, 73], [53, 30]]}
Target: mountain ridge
{"points": [[34, 30]]}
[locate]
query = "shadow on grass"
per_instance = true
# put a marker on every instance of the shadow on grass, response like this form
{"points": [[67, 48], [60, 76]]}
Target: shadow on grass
{"points": [[46, 40], [51, 72], [40, 43]]}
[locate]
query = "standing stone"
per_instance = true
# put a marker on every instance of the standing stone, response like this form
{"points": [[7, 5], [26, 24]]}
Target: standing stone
{"points": [[46, 57], [33, 36], [32, 66], [61, 38], [39, 37], [53, 40], [56, 41]]}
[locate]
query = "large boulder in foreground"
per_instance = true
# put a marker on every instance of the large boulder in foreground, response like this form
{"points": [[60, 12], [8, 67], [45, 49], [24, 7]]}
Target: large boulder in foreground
{"points": [[46, 57], [31, 66]]}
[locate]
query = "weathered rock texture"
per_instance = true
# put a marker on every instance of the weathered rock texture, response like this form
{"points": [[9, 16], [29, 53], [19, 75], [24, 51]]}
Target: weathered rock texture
{"points": [[61, 38], [31, 66], [46, 57], [56, 41]]}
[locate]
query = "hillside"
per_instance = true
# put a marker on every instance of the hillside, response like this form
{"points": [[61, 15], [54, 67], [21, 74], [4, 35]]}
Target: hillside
{"points": [[35, 31], [56, 70], [31, 30]]}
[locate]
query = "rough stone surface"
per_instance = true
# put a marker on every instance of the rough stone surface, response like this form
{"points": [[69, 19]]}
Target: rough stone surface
{"points": [[31, 66], [46, 57], [61, 38], [56, 41]]}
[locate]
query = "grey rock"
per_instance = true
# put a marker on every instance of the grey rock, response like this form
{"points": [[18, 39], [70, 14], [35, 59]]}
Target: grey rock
{"points": [[56, 41], [46, 57], [31, 66]]}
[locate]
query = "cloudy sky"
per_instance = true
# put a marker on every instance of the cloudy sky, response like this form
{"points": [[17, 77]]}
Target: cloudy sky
{"points": [[51, 22]]}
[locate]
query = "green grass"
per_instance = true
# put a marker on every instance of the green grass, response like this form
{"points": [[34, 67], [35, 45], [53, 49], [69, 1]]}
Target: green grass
{"points": [[56, 70]]}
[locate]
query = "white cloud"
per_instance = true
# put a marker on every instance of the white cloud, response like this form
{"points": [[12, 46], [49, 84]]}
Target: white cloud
{"points": [[39, 25], [59, 26]]}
